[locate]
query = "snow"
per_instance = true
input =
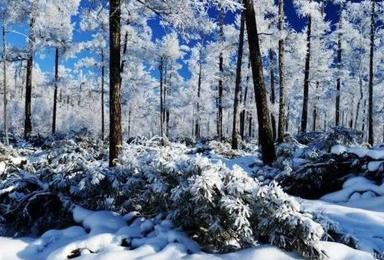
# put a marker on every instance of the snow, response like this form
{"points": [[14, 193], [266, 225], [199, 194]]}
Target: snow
{"points": [[2, 167], [374, 166], [376, 154], [338, 149], [352, 189], [360, 152], [144, 238], [364, 224], [358, 209]]}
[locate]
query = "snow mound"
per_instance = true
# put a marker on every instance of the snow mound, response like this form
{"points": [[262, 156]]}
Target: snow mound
{"points": [[355, 188], [139, 238], [366, 226]]}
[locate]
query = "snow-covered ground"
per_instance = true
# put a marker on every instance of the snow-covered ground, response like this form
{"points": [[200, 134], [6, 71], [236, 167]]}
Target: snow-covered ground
{"points": [[358, 210], [106, 235]]}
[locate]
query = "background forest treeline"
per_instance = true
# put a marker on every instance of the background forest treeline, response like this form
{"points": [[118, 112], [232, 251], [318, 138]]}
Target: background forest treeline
{"points": [[195, 76]]}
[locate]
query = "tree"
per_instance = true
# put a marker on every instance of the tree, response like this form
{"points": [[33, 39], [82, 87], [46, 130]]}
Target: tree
{"points": [[220, 87], [304, 115], [263, 114], [338, 81], [28, 86], [370, 84], [236, 107], [115, 131], [6, 139], [55, 90], [282, 113]]}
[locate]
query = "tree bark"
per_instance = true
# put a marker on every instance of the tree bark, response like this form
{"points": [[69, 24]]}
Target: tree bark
{"points": [[236, 108], [102, 95], [161, 68], [55, 91], [273, 95], [243, 111], [197, 123], [282, 113], [6, 139], [115, 132], [338, 84], [359, 101], [263, 113], [370, 84], [28, 86], [304, 116], [220, 90]]}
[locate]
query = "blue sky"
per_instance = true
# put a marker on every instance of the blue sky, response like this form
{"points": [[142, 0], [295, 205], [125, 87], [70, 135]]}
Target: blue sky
{"points": [[46, 61]]}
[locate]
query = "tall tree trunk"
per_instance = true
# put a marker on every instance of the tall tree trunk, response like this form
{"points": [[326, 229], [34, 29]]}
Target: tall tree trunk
{"points": [[338, 84], [6, 139], [250, 124], [304, 116], [282, 116], [167, 107], [55, 91], [220, 94], [197, 123], [28, 86], [102, 95], [359, 101], [161, 68], [316, 114], [263, 113], [236, 108], [243, 111], [115, 132], [125, 48], [370, 84], [287, 121], [129, 122], [273, 95]]}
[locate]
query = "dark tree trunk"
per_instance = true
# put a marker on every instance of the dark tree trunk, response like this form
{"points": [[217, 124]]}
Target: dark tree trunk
{"points": [[287, 121], [359, 101], [273, 95], [243, 111], [102, 95], [197, 123], [55, 91], [28, 85], [338, 84], [161, 68], [122, 66], [250, 128], [236, 109], [115, 132], [129, 122], [220, 90], [315, 109], [282, 116], [263, 113], [6, 140], [304, 116], [370, 84]]}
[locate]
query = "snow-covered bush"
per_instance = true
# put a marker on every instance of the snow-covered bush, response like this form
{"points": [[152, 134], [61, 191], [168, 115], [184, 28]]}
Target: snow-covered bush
{"points": [[324, 141], [221, 208]]}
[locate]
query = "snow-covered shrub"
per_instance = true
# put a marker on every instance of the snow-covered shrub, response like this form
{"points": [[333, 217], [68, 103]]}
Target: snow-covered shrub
{"points": [[337, 135], [224, 149], [334, 232], [27, 206], [220, 208]]}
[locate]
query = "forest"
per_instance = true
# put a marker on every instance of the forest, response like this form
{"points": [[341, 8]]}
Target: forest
{"points": [[191, 129]]}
